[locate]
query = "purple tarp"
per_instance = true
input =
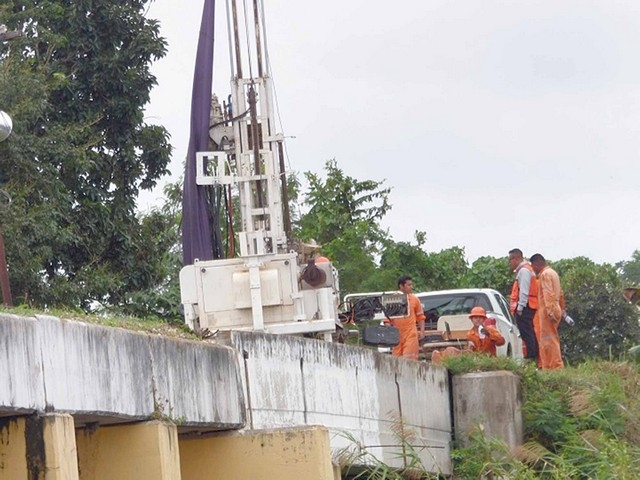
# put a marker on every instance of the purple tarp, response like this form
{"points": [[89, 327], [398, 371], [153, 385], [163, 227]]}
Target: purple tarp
{"points": [[196, 230]]}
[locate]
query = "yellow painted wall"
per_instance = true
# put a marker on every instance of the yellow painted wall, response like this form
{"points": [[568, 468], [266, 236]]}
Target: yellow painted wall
{"points": [[13, 449], [141, 451], [300, 453]]}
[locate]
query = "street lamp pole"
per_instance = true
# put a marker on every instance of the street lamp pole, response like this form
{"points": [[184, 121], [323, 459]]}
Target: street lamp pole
{"points": [[6, 125]]}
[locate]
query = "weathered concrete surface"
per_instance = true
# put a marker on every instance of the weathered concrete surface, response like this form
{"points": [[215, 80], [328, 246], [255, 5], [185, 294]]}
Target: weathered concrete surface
{"points": [[13, 449], [21, 380], [491, 400], [38, 446], [358, 394], [107, 375]]}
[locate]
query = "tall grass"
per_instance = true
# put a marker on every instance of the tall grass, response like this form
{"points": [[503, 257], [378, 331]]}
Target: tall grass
{"points": [[581, 422]]}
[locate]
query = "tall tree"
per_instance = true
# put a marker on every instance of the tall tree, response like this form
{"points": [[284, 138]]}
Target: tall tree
{"points": [[490, 272], [344, 217], [631, 270], [76, 84], [606, 325], [429, 270]]}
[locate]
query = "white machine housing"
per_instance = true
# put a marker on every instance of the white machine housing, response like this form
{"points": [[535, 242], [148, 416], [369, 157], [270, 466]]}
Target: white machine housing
{"points": [[258, 293]]}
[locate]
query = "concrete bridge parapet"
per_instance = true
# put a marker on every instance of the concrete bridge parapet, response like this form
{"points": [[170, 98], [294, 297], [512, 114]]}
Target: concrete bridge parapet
{"points": [[111, 375]]}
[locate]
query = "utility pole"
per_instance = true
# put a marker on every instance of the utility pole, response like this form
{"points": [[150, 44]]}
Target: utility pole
{"points": [[5, 130], [6, 125]]}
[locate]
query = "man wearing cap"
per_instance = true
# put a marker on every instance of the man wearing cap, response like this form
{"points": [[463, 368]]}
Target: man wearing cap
{"points": [[485, 338]]}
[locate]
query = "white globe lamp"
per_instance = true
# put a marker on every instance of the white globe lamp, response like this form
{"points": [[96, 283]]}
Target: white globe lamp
{"points": [[6, 125]]}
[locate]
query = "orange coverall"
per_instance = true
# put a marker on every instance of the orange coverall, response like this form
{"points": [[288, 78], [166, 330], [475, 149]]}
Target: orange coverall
{"points": [[550, 308], [409, 345], [487, 344]]}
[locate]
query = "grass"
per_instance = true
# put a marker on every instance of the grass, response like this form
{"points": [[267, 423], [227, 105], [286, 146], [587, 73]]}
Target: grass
{"points": [[581, 422], [147, 325]]}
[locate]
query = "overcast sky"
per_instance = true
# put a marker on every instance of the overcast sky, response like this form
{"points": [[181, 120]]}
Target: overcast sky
{"points": [[498, 124]]}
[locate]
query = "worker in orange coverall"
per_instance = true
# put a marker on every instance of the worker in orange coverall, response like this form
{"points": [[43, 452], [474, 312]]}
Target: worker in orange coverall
{"points": [[550, 309], [412, 326], [484, 337]]}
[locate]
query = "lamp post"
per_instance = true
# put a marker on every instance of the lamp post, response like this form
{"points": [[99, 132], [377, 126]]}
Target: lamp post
{"points": [[6, 125]]}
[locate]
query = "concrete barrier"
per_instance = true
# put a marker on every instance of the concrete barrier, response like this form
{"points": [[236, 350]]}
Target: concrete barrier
{"points": [[103, 376], [110, 375], [491, 401], [365, 399]]}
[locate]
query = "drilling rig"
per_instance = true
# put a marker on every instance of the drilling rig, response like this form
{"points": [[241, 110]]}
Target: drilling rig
{"points": [[263, 284]]}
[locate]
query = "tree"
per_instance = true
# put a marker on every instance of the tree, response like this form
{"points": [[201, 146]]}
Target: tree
{"points": [[344, 217], [429, 270], [630, 270], [156, 291], [446, 269], [76, 84], [490, 272], [605, 325]]}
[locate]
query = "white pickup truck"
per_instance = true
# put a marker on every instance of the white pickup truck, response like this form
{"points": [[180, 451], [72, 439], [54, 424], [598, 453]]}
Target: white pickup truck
{"points": [[448, 321], [447, 314]]}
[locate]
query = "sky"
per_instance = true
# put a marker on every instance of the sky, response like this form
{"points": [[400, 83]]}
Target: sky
{"points": [[497, 124]]}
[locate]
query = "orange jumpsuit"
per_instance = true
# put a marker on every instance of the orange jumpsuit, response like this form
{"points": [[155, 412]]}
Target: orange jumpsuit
{"points": [[550, 308], [409, 345], [487, 344]]}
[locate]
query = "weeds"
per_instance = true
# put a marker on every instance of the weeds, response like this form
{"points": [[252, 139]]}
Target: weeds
{"points": [[581, 422], [356, 462]]}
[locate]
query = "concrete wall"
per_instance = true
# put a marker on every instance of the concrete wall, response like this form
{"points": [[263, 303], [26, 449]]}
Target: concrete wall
{"points": [[103, 375], [107, 375], [363, 397]]}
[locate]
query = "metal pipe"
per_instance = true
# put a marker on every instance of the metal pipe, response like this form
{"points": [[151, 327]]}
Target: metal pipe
{"points": [[236, 38], [255, 139], [256, 21], [285, 197]]}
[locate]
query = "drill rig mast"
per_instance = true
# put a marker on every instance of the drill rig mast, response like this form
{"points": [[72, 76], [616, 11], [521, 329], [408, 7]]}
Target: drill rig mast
{"points": [[263, 288]]}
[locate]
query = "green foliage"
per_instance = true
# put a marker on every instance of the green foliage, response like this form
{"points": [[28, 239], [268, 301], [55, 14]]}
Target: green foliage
{"points": [[630, 270], [581, 422], [605, 324], [487, 457], [470, 362], [75, 85], [344, 217], [445, 269], [490, 272]]}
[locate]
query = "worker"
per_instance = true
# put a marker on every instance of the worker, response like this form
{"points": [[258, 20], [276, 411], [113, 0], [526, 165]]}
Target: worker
{"points": [[484, 337], [550, 311], [524, 302], [411, 327]]}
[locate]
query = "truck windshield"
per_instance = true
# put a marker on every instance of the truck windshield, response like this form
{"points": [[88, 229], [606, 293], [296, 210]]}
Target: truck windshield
{"points": [[435, 306]]}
